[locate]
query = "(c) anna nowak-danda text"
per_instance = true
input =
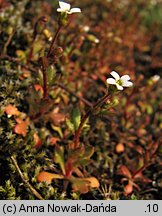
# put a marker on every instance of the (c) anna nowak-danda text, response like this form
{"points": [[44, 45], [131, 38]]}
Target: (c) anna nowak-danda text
{"points": [[68, 208]]}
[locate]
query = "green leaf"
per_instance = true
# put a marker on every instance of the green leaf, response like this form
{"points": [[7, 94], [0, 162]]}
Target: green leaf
{"points": [[2, 190], [59, 157], [40, 77], [76, 118], [88, 152], [79, 184], [37, 47], [57, 129], [11, 192], [70, 125], [76, 153], [81, 156], [83, 184], [50, 75], [82, 162], [21, 54]]}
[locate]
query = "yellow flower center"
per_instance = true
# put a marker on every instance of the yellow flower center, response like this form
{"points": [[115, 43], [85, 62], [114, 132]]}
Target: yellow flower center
{"points": [[119, 82]]}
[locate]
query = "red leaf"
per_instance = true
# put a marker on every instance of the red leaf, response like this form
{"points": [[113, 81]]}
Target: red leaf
{"points": [[138, 175], [11, 110], [128, 189], [56, 118], [37, 141], [53, 140], [48, 177], [93, 182], [125, 172], [120, 148], [38, 88], [21, 127]]}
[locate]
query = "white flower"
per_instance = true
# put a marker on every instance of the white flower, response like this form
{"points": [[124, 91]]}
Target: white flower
{"points": [[65, 7], [155, 78], [120, 82]]}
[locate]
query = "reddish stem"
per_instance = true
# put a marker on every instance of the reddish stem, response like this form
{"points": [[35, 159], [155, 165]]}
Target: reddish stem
{"points": [[53, 41], [31, 50], [140, 170], [152, 156], [45, 84], [84, 118]]}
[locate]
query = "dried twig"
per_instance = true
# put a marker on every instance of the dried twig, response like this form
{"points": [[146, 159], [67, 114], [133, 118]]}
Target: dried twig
{"points": [[32, 189], [8, 41]]}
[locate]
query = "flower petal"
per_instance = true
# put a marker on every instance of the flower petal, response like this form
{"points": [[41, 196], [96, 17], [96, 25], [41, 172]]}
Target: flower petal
{"points": [[155, 78], [127, 84], [115, 75], [125, 77], [119, 87], [64, 6], [75, 10], [111, 81], [60, 10]]}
